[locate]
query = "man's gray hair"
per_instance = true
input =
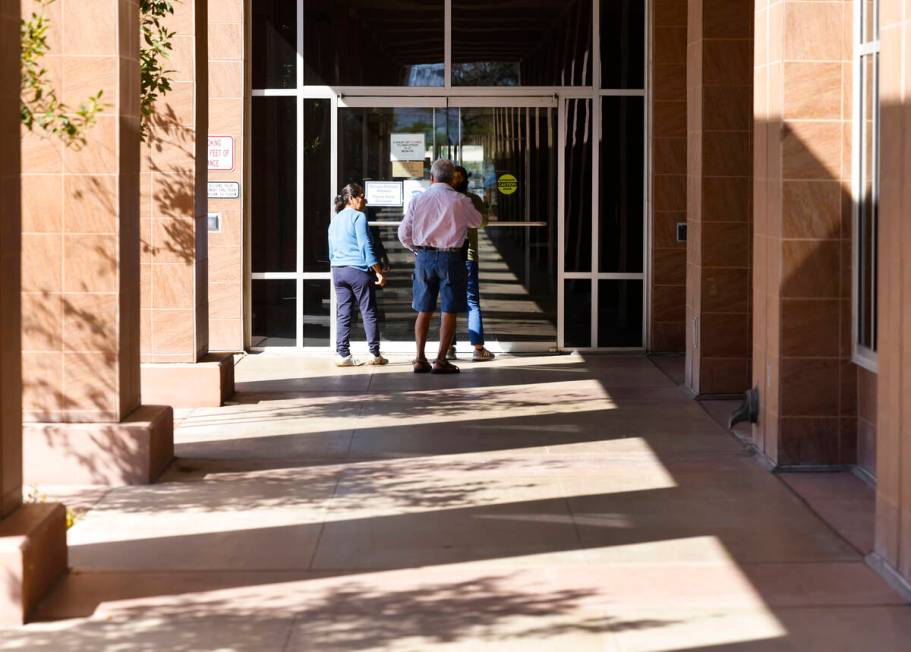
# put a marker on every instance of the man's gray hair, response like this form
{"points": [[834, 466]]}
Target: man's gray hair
{"points": [[442, 170]]}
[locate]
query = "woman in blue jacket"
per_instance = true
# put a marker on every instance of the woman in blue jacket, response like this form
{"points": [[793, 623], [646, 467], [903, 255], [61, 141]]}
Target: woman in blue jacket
{"points": [[355, 273]]}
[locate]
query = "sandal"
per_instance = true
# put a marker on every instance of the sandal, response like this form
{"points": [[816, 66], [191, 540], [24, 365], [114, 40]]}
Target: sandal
{"points": [[421, 366], [444, 367]]}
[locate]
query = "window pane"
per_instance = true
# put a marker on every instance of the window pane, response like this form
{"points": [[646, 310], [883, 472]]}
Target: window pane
{"points": [[274, 308], [317, 177], [317, 307], [867, 213], [366, 43], [623, 44], [578, 189], [621, 228], [619, 313], [577, 299], [274, 44], [274, 185], [521, 43]]}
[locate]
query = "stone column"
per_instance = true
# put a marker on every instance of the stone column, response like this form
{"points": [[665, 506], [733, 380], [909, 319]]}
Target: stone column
{"points": [[177, 369], [893, 458], [719, 170], [32, 537], [84, 419], [668, 278], [802, 246], [228, 107]]}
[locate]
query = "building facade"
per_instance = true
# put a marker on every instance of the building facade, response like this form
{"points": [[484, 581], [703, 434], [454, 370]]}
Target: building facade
{"points": [[723, 179]]}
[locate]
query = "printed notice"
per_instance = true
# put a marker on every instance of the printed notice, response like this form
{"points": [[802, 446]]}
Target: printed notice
{"points": [[383, 193], [407, 147], [408, 169], [221, 152], [224, 190]]}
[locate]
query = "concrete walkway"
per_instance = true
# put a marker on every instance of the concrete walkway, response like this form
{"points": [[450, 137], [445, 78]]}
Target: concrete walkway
{"points": [[556, 503]]}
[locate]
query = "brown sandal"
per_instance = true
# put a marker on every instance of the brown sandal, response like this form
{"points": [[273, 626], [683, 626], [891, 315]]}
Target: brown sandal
{"points": [[421, 366], [444, 367]]}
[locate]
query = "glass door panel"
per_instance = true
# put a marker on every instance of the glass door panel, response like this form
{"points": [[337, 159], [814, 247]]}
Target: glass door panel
{"points": [[510, 154], [370, 149]]}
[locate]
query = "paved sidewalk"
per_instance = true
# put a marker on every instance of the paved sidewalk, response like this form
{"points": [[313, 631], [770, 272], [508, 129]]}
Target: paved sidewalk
{"points": [[555, 503]]}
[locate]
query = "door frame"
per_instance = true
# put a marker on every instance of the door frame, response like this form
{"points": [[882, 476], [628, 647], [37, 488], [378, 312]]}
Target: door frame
{"points": [[447, 101]]}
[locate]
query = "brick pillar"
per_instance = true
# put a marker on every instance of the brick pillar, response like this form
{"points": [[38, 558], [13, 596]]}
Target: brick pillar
{"points": [[228, 106], [893, 458], [719, 171], [802, 247], [32, 537], [177, 369], [668, 313], [85, 422]]}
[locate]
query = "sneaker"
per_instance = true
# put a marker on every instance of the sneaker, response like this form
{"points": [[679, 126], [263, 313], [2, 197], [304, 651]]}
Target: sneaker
{"points": [[482, 355], [347, 361], [451, 354], [377, 360]]}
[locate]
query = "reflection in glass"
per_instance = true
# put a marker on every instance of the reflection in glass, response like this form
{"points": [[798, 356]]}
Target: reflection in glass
{"points": [[274, 308], [274, 185], [578, 188], [867, 209], [577, 331], [521, 43], [620, 313], [317, 179], [622, 43], [621, 200], [274, 29], [317, 309], [365, 43], [517, 263]]}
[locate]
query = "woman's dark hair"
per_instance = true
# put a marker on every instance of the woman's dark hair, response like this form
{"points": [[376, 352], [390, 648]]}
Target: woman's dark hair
{"points": [[349, 192]]}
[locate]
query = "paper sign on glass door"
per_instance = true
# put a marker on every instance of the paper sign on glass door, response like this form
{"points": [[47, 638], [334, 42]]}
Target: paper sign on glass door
{"points": [[407, 147]]}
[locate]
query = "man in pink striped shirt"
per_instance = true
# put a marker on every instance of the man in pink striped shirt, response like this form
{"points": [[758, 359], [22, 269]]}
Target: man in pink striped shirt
{"points": [[435, 227]]}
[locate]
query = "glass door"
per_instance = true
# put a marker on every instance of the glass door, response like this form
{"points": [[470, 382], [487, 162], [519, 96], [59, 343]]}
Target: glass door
{"points": [[509, 148]]}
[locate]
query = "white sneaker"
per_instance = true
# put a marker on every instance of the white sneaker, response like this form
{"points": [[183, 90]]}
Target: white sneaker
{"points": [[377, 360], [347, 361]]}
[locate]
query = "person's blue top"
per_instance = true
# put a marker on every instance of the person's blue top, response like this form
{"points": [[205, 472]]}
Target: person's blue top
{"points": [[349, 241]]}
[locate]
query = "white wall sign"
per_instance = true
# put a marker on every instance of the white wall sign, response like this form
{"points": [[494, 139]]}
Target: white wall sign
{"points": [[383, 193], [407, 147], [224, 190], [221, 152]]}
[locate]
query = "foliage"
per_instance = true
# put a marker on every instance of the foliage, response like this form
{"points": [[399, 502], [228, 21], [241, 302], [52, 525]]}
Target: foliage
{"points": [[39, 105], [156, 46]]}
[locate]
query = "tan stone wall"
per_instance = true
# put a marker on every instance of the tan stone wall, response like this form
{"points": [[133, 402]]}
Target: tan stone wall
{"points": [[719, 211], [668, 271], [80, 266], [227, 110], [893, 455], [10, 241], [866, 420], [802, 235], [173, 228]]}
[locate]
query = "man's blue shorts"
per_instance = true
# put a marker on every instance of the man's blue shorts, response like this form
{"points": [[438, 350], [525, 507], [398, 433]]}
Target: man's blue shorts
{"points": [[440, 273]]}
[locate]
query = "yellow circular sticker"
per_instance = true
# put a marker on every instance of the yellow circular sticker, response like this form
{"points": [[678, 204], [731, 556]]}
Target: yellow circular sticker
{"points": [[507, 184]]}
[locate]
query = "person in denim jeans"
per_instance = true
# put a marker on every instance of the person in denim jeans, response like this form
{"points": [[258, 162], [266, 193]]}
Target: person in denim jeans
{"points": [[475, 320], [356, 273], [435, 227]]}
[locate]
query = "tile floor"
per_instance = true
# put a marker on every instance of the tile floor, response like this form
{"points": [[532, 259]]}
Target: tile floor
{"points": [[565, 503]]}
